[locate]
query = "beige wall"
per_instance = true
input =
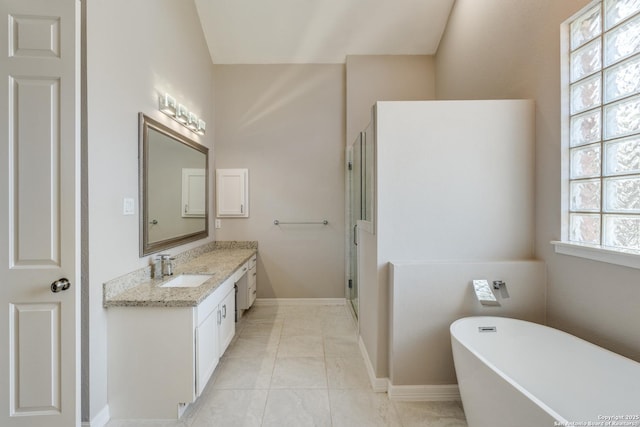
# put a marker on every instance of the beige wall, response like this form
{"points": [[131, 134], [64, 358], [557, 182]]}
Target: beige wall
{"points": [[500, 49], [285, 123], [135, 50], [372, 78]]}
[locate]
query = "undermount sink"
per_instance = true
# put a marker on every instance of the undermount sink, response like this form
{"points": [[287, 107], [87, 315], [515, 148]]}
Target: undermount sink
{"points": [[187, 281]]}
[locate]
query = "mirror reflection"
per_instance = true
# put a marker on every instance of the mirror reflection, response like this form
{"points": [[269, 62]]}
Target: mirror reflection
{"points": [[173, 179]]}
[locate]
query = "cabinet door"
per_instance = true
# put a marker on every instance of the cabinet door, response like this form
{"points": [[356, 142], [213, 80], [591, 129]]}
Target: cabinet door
{"points": [[227, 322], [232, 192], [194, 190], [252, 286], [206, 350]]}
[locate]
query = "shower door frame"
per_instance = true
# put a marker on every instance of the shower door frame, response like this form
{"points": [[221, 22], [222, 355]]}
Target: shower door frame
{"points": [[361, 207], [354, 214]]}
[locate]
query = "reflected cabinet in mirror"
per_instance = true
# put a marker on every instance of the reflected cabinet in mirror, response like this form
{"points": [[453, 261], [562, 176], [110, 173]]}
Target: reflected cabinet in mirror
{"points": [[173, 187]]}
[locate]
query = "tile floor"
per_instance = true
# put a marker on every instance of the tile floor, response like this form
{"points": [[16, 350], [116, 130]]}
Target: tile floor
{"points": [[300, 365]]}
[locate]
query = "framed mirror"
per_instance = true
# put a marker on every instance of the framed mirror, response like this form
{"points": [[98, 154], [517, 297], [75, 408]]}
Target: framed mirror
{"points": [[174, 193]]}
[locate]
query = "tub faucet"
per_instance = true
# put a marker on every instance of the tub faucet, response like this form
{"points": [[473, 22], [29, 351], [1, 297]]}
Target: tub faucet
{"points": [[501, 286], [166, 262]]}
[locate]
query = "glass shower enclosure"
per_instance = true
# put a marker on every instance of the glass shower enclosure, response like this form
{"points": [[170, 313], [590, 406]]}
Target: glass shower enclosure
{"points": [[360, 206], [354, 207]]}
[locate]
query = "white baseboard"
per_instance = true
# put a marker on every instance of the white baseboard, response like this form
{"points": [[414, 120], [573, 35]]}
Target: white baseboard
{"points": [[300, 301], [424, 392], [379, 385], [99, 420]]}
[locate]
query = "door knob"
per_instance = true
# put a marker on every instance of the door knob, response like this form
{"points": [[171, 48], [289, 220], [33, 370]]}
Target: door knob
{"points": [[60, 285]]}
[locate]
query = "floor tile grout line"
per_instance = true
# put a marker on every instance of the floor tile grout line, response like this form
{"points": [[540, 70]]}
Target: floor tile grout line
{"points": [[326, 375], [273, 368]]}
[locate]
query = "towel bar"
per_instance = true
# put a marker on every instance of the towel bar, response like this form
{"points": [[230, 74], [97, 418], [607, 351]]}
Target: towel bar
{"points": [[278, 222]]}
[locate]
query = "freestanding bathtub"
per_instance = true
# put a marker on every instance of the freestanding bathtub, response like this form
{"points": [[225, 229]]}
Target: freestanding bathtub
{"points": [[513, 373]]}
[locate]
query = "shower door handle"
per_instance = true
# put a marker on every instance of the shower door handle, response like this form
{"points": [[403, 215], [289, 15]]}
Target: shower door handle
{"points": [[355, 234]]}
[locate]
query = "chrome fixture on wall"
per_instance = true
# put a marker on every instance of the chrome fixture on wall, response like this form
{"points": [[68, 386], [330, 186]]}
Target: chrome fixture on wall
{"points": [[179, 113], [278, 222]]}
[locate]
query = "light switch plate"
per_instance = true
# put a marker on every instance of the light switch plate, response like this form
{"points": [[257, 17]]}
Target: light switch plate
{"points": [[128, 206], [218, 223]]}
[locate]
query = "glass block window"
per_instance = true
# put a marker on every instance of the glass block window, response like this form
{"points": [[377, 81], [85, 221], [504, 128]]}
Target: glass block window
{"points": [[604, 125]]}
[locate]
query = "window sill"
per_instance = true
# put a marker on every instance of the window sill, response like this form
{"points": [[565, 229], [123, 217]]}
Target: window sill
{"points": [[625, 257]]}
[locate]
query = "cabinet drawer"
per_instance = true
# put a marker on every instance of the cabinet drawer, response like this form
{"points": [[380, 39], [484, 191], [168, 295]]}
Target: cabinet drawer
{"points": [[240, 272], [251, 297], [251, 277], [252, 286]]}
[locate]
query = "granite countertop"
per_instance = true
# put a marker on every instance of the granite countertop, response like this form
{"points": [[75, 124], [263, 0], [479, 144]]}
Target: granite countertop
{"points": [[136, 290]]}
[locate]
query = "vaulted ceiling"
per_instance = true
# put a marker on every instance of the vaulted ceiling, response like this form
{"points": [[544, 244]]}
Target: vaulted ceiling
{"points": [[319, 31]]}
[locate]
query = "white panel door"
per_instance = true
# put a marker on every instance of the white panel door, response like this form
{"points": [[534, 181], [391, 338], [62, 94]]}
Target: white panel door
{"points": [[232, 192], [39, 213]]}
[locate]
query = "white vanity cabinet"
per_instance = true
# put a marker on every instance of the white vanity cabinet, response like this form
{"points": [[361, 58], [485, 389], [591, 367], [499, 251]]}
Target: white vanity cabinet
{"points": [[161, 357], [215, 330], [247, 284]]}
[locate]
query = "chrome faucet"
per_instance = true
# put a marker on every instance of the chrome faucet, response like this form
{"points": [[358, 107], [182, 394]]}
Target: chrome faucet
{"points": [[166, 262]]}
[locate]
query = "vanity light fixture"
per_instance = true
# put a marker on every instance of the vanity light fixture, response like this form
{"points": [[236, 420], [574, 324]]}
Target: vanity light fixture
{"points": [[168, 104], [182, 115], [178, 112], [201, 127], [192, 122]]}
